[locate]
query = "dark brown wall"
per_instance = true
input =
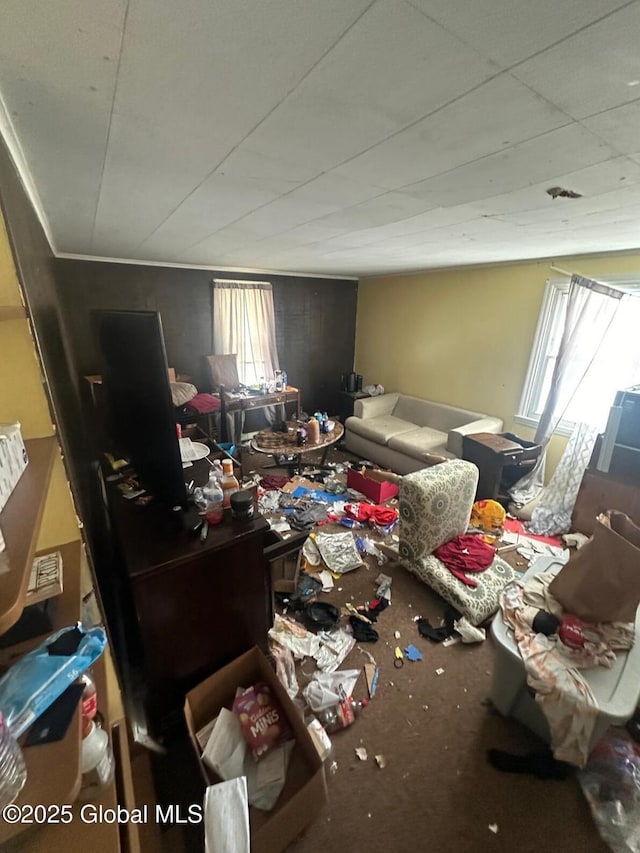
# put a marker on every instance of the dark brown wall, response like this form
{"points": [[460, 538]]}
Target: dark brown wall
{"points": [[315, 319]]}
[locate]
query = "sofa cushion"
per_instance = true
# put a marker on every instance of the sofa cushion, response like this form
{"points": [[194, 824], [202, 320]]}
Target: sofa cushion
{"points": [[419, 443], [435, 415], [379, 429]]}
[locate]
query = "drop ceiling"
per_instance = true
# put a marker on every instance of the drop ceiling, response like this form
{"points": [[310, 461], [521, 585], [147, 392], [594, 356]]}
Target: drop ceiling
{"points": [[346, 137]]}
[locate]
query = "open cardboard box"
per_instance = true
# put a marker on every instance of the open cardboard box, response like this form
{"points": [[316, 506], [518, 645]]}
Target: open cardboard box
{"points": [[378, 486], [304, 793]]}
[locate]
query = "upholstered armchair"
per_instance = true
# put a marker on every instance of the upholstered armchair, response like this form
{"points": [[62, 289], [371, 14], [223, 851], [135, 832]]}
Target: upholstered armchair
{"points": [[435, 507]]}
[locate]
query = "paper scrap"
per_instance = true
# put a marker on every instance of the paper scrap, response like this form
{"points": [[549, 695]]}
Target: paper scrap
{"points": [[361, 752], [326, 580], [439, 671], [226, 817], [494, 828], [371, 673], [396, 634], [381, 761]]}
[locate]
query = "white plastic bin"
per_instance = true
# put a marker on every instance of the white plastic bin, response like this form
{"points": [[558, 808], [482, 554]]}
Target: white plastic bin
{"points": [[617, 690]]}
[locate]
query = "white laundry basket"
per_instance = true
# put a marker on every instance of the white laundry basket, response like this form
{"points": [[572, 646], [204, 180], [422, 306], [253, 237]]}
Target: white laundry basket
{"points": [[617, 690]]}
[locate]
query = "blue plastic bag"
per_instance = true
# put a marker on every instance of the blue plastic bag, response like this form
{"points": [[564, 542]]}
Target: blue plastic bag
{"points": [[36, 680]]}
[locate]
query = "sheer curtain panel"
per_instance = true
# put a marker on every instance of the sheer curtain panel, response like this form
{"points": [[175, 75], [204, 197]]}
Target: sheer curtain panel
{"points": [[244, 324], [591, 308]]}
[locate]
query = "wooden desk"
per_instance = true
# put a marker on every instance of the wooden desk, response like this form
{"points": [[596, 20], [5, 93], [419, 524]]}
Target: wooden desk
{"points": [[196, 605], [248, 402]]}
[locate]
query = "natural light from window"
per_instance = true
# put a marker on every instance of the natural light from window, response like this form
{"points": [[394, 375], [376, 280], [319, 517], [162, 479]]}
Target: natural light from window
{"points": [[616, 366]]}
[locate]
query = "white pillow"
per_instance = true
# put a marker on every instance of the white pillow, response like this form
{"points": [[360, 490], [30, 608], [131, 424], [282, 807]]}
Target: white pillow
{"points": [[182, 392]]}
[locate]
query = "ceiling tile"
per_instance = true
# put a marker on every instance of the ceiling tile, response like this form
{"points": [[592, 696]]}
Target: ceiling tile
{"points": [[60, 109], [390, 69], [528, 163], [495, 116], [201, 75], [590, 72], [509, 31], [219, 201], [619, 127]]}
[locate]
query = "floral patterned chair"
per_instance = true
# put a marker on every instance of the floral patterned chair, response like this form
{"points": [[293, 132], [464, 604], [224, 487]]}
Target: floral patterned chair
{"points": [[435, 507]]}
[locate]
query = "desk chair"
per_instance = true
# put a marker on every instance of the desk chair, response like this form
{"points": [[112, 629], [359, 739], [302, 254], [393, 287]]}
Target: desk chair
{"points": [[223, 370]]}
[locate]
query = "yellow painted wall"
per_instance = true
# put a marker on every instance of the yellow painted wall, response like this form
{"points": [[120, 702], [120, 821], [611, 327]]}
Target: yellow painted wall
{"points": [[463, 336], [23, 399]]}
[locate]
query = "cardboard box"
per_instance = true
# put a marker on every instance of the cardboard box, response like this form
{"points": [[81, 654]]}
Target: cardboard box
{"points": [[13, 460], [378, 486], [304, 793]]}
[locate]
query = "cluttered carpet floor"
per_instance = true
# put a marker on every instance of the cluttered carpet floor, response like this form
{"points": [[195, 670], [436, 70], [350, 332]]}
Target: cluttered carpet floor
{"points": [[437, 791]]}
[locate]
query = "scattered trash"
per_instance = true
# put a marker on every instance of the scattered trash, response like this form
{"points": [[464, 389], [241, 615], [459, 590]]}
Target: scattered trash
{"points": [[326, 579], [327, 689], [333, 767], [412, 653], [494, 828], [361, 752], [384, 587], [320, 738], [339, 551], [381, 761], [399, 658], [439, 671], [450, 641], [469, 633], [396, 634], [425, 707], [363, 632], [285, 668], [371, 673], [369, 656]]}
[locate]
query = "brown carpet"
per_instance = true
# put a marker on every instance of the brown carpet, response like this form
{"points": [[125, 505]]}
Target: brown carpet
{"points": [[437, 792]]}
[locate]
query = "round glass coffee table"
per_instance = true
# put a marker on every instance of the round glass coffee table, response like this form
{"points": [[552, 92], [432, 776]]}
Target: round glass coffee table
{"points": [[286, 448]]}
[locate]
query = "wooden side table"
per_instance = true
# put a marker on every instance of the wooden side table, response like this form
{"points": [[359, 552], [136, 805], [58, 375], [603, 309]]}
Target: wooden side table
{"points": [[501, 459]]}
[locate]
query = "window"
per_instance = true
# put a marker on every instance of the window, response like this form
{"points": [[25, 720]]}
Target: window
{"points": [[617, 364], [244, 324]]}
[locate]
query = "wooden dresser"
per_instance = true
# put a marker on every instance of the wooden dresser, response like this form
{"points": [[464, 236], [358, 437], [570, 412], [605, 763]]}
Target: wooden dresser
{"points": [[189, 606]]}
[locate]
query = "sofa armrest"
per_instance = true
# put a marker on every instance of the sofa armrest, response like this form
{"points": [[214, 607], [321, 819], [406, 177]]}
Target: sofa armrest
{"points": [[375, 407], [454, 440]]}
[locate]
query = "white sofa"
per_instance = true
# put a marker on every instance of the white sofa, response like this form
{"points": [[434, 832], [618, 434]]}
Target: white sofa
{"points": [[406, 433]]}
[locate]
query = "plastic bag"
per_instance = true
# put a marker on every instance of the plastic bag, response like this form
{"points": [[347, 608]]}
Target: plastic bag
{"points": [[36, 680], [611, 783], [327, 689], [339, 551]]}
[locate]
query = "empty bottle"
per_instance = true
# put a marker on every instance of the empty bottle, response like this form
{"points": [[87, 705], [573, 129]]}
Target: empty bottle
{"points": [[213, 498], [13, 772]]}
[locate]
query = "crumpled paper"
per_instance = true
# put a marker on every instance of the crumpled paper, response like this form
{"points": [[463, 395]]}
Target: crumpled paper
{"points": [[328, 648]]}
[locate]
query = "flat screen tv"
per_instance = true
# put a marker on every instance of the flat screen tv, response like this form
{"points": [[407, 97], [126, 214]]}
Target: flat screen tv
{"points": [[140, 412]]}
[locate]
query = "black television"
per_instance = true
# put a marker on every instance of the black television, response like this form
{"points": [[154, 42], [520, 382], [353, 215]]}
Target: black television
{"points": [[140, 413]]}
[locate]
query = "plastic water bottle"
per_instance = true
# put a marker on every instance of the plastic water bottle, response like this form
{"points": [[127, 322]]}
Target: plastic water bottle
{"points": [[214, 499], [285, 381], [13, 772]]}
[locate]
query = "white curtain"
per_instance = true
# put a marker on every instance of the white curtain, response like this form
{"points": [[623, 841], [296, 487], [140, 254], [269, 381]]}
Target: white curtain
{"points": [[591, 307], [589, 408], [244, 323]]}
